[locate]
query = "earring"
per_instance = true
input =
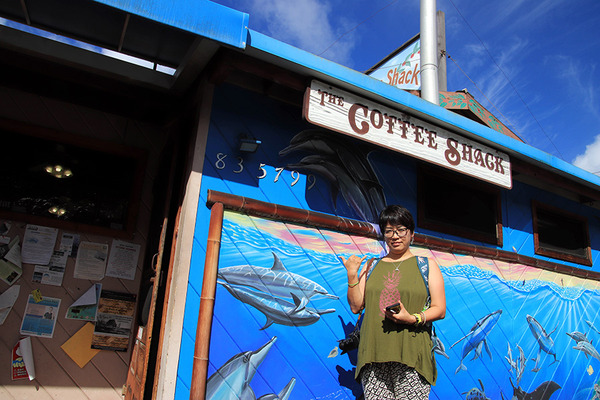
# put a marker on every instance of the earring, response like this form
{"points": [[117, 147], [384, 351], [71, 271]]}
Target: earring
{"points": [[412, 239]]}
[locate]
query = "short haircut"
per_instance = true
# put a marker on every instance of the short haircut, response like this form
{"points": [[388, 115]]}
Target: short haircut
{"points": [[396, 215]]}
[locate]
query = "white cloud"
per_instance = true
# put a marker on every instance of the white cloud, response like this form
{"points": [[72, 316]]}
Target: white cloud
{"points": [[590, 159], [306, 24]]}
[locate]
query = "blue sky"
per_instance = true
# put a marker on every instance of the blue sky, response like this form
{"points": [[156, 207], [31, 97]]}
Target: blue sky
{"points": [[536, 61]]}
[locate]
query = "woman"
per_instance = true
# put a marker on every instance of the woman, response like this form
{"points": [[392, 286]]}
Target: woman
{"points": [[395, 360]]}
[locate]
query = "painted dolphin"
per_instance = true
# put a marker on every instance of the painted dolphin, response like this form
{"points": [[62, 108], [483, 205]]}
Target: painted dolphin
{"points": [[577, 336], [276, 280], [522, 361], [544, 341], [512, 363], [588, 349], [476, 338], [591, 324], [438, 346], [284, 394], [232, 379], [354, 193], [277, 310], [542, 392]]}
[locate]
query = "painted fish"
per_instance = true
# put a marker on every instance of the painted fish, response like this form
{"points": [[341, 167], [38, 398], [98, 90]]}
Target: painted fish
{"points": [[544, 341], [588, 349], [476, 338], [277, 280], [232, 380], [277, 310]]}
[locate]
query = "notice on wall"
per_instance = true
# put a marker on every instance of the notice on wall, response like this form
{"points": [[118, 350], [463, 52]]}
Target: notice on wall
{"points": [[22, 365], [40, 317], [91, 261], [123, 259], [38, 244], [10, 261], [86, 306], [69, 242], [114, 321], [7, 301], [53, 273]]}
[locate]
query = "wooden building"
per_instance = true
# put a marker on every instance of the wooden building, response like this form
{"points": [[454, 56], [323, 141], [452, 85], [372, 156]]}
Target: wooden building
{"points": [[225, 154]]}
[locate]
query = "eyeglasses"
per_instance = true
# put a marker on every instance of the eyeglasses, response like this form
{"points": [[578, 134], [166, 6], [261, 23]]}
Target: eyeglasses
{"points": [[401, 232]]}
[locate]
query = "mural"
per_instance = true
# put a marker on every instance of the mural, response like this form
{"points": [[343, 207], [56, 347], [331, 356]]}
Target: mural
{"points": [[511, 331]]}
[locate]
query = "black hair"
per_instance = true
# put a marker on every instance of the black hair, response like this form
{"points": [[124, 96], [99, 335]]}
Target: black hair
{"points": [[396, 215]]}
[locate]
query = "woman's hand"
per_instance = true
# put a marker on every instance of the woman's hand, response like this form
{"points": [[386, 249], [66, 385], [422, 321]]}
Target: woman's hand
{"points": [[400, 317], [352, 264]]}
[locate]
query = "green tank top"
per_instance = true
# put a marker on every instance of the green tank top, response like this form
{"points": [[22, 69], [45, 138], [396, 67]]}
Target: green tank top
{"points": [[382, 340]]}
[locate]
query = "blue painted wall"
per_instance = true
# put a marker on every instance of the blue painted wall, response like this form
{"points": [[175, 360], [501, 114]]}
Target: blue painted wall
{"points": [[237, 112]]}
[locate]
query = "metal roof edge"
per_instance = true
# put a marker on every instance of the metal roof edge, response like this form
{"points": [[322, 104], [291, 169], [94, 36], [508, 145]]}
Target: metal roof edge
{"points": [[360, 83], [201, 17]]}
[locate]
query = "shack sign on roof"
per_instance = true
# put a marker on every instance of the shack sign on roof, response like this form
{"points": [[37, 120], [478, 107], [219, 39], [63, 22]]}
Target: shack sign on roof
{"points": [[402, 68], [375, 123]]}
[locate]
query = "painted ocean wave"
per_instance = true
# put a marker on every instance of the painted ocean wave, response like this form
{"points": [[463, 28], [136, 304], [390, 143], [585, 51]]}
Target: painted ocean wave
{"points": [[525, 286]]}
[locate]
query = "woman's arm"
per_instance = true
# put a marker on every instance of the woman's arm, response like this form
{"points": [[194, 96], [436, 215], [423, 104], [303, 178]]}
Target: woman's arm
{"points": [[356, 282], [437, 309]]}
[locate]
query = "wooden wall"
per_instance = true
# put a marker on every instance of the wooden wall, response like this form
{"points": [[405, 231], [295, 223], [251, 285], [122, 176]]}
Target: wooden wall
{"points": [[57, 375]]}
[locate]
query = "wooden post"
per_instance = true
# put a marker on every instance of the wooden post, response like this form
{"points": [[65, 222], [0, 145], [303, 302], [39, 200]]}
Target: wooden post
{"points": [[207, 303]]}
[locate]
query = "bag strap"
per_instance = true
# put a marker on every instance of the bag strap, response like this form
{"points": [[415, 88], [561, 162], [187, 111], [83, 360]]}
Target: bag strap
{"points": [[423, 264], [373, 267]]}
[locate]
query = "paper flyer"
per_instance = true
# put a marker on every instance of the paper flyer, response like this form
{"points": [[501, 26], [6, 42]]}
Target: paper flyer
{"points": [[10, 261], [7, 301], [114, 321], [70, 243], [22, 360], [40, 318], [79, 346], [85, 307], [38, 244], [53, 273], [123, 260], [91, 261]]}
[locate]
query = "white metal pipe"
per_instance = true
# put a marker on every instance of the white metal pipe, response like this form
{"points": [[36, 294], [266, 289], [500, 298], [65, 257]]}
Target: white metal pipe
{"points": [[429, 68]]}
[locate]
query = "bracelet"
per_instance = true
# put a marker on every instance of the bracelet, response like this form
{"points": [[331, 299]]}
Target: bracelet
{"points": [[423, 317], [418, 318], [351, 285]]}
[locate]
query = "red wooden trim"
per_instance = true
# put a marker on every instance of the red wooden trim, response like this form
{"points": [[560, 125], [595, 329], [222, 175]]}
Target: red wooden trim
{"points": [[289, 214], [310, 218]]}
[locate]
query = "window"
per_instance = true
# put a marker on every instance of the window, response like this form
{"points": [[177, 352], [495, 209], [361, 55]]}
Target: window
{"points": [[562, 235], [460, 206], [70, 182]]}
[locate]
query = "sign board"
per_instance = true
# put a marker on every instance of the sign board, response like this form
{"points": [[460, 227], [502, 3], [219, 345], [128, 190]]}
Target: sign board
{"points": [[366, 120], [403, 69]]}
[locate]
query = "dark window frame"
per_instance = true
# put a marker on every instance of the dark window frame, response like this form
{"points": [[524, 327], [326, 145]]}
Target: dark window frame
{"points": [[136, 155], [553, 252], [474, 185]]}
